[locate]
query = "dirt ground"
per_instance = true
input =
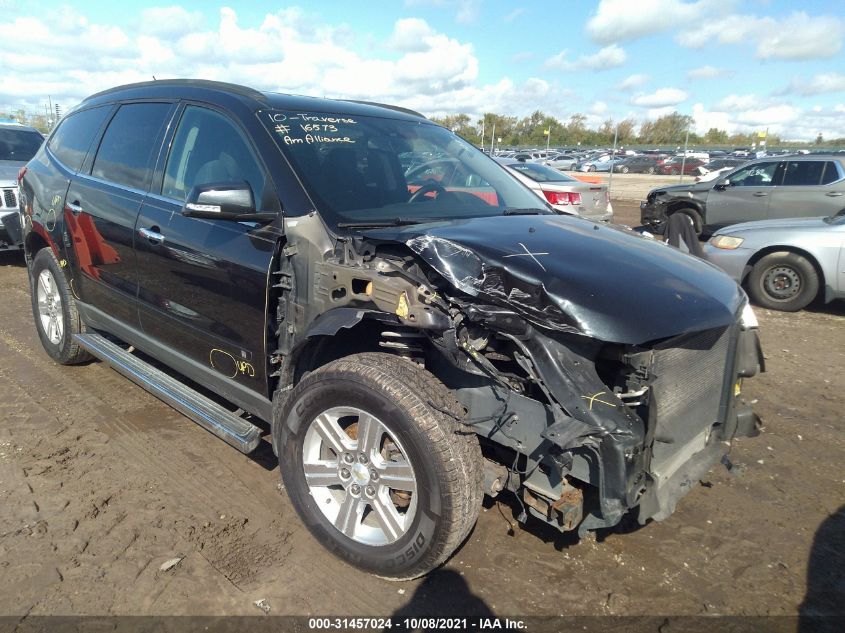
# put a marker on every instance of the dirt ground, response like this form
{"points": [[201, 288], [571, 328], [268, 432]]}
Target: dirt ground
{"points": [[101, 484]]}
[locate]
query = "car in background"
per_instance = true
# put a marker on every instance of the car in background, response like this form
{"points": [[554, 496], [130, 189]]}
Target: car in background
{"points": [[677, 165], [566, 194], [720, 163], [600, 165], [767, 188], [643, 164], [567, 162], [784, 264], [18, 144]]}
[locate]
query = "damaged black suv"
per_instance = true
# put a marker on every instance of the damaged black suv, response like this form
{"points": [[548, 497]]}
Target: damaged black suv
{"points": [[260, 262]]}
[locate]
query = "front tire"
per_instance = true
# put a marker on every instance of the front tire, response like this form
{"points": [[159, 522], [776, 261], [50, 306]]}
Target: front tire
{"points": [[624, 170], [783, 281], [54, 308], [650, 170], [377, 464]]}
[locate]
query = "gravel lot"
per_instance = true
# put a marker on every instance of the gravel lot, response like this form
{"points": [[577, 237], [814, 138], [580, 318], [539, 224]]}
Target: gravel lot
{"points": [[101, 484]]}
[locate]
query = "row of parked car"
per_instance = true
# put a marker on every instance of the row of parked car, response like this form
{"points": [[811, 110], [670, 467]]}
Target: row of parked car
{"points": [[776, 225]]}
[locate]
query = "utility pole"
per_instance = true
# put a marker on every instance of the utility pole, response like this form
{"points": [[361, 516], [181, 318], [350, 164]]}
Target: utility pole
{"points": [[493, 140], [684, 159], [612, 158]]}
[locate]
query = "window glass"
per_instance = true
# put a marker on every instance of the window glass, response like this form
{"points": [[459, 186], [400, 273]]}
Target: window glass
{"points": [[540, 173], [831, 173], [126, 150], [758, 175], [208, 148], [361, 168], [19, 145], [803, 173], [70, 142]]}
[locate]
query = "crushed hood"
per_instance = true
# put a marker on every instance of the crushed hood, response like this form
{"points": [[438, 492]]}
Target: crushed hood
{"points": [[570, 274]]}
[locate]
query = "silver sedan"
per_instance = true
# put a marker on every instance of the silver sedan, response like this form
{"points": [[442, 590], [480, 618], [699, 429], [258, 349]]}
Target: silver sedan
{"points": [[784, 264]]}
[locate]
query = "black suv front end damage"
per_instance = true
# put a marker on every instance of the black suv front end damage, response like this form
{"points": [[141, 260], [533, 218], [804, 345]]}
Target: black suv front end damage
{"points": [[593, 391]]}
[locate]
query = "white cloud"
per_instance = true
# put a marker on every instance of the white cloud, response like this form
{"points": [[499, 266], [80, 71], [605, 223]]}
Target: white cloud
{"points": [[737, 103], [660, 98], [169, 21], [818, 84], [409, 34], [468, 11], [633, 81], [794, 37], [522, 56], [705, 72], [608, 57], [620, 20], [513, 15]]}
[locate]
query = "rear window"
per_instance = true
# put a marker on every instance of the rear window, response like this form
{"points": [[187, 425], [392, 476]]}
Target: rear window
{"points": [[70, 142], [19, 145], [540, 173], [127, 147], [832, 172], [803, 173]]}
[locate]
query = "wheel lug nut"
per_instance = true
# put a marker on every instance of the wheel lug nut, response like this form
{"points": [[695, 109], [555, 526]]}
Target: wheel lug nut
{"points": [[371, 492], [373, 474], [362, 458], [355, 489], [348, 458], [344, 473]]}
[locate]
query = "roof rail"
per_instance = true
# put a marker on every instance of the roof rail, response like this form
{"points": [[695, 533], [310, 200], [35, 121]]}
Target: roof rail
{"points": [[385, 105], [190, 83]]}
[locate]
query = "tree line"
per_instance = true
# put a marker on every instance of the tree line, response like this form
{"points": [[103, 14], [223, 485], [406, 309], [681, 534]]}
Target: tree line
{"points": [[667, 130]]}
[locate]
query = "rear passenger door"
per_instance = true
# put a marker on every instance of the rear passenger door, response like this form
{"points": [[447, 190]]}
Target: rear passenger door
{"points": [[102, 205], [809, 188], [203, 282]]}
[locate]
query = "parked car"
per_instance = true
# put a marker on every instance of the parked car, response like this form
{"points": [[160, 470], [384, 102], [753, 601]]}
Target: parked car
{"points": [[784, 264], [601, 165], [566, 162], [566, 194], [720, 163], [774, 187], [643, 164], [18, 144], [407, 349], [677, 165]]}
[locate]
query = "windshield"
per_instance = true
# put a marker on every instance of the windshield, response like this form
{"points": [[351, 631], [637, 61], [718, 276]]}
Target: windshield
{"points": [[19, 145], [540, 173], [361, 169]]}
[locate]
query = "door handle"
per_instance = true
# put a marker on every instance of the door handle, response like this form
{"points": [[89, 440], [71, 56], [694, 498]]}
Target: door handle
{"points": [[760, 194], [152, 234], [74, 207], [833, 194]]}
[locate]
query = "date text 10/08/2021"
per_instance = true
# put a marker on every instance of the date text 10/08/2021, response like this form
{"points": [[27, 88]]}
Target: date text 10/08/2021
{"points": [[433, 624]]}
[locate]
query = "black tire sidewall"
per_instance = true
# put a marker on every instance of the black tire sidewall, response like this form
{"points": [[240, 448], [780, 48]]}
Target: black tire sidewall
{"points": [[804, 269], [697, 222], [46, 260], [396, 558]]}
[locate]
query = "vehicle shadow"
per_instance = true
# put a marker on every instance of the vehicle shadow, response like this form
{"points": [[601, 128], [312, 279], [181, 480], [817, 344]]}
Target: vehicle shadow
{"points": [[834, 308], [444, 593], [823, 608]]}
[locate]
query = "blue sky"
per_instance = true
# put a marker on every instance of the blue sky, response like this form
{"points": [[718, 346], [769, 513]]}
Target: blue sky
{"points": [[734, 64]]}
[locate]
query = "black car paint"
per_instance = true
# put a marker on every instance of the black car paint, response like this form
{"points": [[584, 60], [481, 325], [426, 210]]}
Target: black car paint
{"points": [[660, 202], [199, 301], [572, 275]]}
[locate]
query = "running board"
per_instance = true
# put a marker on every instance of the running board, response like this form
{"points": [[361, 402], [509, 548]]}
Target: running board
{"points": [[208, 414]]}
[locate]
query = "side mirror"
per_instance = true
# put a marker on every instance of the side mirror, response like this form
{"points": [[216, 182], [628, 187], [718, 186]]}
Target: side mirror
{"points": [[721, 186], [223, 201]]}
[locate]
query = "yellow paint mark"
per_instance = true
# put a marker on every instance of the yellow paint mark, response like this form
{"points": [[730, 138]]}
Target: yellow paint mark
{"points": [[738, 387], [595, 398], [63, 263], [240, 366]]}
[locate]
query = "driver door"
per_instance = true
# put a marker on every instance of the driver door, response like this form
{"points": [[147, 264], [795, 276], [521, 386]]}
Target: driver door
{"points": [[203, 282], [747, 196]]}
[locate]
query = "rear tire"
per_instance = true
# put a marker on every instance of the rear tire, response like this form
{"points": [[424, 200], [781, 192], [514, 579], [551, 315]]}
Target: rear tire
{"points": [[783, 281], [650, 170], [419, 436], [624, 170], [54, 309], [592, 168]]}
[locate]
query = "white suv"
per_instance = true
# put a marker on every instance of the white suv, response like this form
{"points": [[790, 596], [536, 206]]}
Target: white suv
{"points": [[18, 143]]}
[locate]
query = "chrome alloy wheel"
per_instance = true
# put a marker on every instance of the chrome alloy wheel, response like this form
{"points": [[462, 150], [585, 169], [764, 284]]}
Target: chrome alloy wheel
{"points": [[50, 307], [359, 476]]}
